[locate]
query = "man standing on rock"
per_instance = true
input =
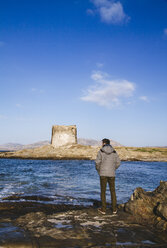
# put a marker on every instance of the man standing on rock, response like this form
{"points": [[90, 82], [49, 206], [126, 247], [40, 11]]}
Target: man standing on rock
{"points": [[107, 162]]}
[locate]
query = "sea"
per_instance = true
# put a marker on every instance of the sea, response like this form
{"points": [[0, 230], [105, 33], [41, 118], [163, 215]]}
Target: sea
{"points": [[74, 181]]}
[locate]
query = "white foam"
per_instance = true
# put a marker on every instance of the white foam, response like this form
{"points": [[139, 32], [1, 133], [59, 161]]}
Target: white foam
{"points": [[7, 190]]}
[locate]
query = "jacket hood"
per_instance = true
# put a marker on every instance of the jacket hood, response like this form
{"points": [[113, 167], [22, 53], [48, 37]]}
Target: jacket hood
{"points": [[108, 149]]}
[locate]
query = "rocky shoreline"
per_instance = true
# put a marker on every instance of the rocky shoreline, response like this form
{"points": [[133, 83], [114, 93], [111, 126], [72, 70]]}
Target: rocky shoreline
{"points": [[88, 153], [30, 222]]}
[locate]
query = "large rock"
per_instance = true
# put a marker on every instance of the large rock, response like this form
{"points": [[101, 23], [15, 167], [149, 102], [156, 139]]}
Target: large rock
{"points": [[149, 207], [162, 209]]}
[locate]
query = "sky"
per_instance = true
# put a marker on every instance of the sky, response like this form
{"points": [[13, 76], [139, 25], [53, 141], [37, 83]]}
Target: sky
{"points": [[97, 64]]}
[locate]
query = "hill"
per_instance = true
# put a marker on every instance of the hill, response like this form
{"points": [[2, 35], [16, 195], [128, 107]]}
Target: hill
{"points": [[81, 141]]}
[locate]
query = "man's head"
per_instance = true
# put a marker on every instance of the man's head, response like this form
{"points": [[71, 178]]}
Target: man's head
{"points": [[105, 142]]}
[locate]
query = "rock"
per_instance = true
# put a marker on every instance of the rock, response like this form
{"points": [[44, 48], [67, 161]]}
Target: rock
{"points": [[77, 151], [35, 224], [162, 210], [149, 207], [27, 197], [81, 228]]}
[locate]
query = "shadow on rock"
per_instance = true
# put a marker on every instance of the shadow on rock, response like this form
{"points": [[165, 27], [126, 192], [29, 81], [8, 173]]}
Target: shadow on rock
{"points": [[149, 208]]}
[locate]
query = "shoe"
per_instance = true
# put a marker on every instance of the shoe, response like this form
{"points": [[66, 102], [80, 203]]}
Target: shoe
{"points": [[101, 211]]}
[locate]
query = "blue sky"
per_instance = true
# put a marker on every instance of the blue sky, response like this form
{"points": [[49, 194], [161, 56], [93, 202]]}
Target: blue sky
{"points": [[99, 64]]}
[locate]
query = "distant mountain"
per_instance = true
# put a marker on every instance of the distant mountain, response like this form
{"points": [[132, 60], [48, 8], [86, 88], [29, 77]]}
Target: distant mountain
{"points": [[86, 142], [16, 146], [37, 144], [92, 142], [11, 146]]}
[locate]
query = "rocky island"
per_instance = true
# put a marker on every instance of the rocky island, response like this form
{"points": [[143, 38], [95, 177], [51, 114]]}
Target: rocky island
{"points": [[78, 151], [64, 145]]}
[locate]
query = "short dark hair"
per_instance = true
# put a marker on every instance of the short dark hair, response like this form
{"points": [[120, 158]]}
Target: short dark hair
{"points": [[106, 141]]}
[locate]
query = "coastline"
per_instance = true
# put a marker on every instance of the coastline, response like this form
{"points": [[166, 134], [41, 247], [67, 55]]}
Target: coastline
{"points": [[82, 152], [31, 223]]}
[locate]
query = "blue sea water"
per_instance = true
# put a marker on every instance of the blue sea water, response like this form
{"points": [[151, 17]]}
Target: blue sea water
{"points": [[73, 181]]}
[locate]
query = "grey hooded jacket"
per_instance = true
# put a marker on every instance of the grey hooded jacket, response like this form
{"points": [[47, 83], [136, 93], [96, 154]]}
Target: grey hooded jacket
{"points": [[107, 161]]}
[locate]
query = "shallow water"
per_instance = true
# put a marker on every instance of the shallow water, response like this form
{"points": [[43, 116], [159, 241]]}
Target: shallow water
{"points": [[74, 182]]}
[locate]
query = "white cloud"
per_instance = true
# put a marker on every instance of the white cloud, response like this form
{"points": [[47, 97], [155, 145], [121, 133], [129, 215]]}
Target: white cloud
{"points": [[107, 92], [99, 76], [144, 98], [110, 11], [165, 31]]}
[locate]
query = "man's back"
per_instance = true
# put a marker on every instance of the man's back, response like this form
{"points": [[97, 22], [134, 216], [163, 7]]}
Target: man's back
{"points": [[107, 161]]}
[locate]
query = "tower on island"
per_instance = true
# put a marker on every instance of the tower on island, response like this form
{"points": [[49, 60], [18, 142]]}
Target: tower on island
{"points": [[64, 135]]}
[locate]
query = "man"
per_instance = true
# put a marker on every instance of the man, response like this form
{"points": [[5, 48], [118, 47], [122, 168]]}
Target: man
{"points": [[107, 162]]}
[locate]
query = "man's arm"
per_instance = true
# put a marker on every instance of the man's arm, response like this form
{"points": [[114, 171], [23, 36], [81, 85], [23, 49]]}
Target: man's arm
{"points": [[98, 161], [117, 162]]}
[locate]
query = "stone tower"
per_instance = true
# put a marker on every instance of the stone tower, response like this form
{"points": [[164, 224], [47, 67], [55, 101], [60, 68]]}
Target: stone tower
{"points": [[63, 135]]}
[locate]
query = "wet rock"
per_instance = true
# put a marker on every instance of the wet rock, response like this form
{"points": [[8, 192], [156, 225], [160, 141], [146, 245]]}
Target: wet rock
{"points": [[27, 197], [49, 225], [146, 207], [86, 228], [162, 209], [9, 232], [141, 222]]}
